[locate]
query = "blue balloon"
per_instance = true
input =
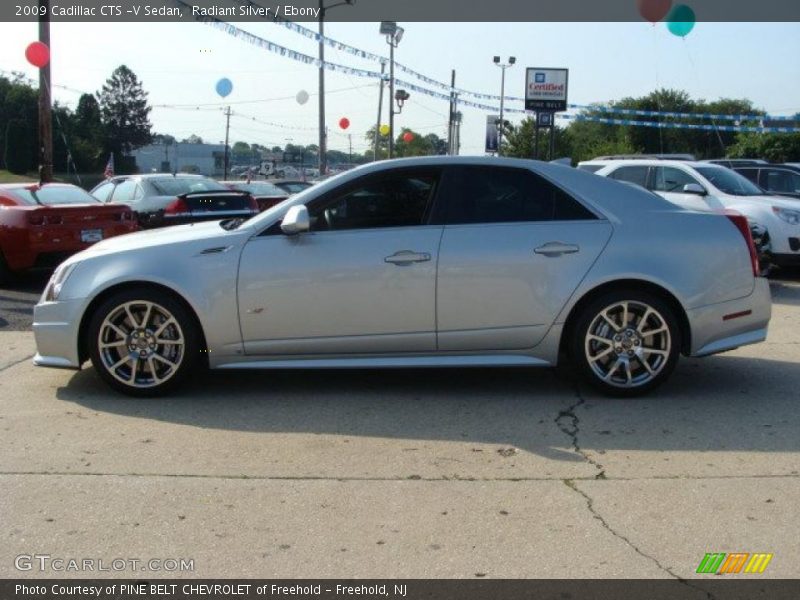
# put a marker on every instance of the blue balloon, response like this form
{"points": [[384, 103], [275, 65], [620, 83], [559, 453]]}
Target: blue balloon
{"points": [[680, 20], [224, 87]]}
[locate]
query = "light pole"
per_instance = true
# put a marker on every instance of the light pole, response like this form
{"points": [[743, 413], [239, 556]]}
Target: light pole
{"points": [[323, 134], [393, 35], [503, 67]]}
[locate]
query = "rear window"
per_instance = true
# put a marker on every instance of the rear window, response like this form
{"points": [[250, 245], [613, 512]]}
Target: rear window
{"points": [[54, 195], [260, 188], [175, 186]]}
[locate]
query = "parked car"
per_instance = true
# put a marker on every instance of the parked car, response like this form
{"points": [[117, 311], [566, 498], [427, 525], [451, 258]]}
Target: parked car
{"points": [[736, 162], [421, 262], [41, 225], [706, 187], [161, 199], [783, 180], [293, 186], [266, 193]]}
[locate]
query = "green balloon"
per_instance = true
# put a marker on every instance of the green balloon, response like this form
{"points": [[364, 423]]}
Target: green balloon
{"points": [[680, 20]]}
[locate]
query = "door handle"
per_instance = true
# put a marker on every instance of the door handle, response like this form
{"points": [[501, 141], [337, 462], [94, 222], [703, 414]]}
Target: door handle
{"points": [[553, 249], [407, 257]]}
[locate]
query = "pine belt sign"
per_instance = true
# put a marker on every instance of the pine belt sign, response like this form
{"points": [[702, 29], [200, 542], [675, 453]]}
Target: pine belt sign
{"points": [[546, 89]]}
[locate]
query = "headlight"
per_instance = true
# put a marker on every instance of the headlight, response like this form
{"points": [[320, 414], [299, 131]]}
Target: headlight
{"points": [[57, 281], [784, 214]]}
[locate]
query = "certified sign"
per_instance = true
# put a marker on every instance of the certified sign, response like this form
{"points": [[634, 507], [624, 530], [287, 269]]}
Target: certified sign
{"points": [[546, 89], [491, 133]]}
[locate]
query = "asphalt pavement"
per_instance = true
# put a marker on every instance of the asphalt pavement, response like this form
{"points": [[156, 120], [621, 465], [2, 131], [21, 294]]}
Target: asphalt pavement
{"points": [[439, 473]]}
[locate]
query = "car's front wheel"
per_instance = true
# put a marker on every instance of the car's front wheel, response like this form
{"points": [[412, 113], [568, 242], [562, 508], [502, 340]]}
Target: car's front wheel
{"points": [[143, 343], [626, 343]]}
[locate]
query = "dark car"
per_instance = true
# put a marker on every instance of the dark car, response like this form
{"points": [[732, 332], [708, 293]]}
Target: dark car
{"points": [[733, 163], [41, 225], [161, 199], [266, 193], [783, 180]]}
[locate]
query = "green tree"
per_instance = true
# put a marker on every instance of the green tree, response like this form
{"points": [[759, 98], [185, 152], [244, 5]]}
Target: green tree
{"points": [[192, 139], [775, 147], [123, 103], [19, 120], [519, 141]]}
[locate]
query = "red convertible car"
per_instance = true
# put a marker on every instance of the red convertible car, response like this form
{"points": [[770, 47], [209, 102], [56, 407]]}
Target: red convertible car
{"points": [[40, 225]]}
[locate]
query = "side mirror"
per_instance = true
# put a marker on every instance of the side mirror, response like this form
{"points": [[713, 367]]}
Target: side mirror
{"points": [[296, 220], [694, 188]]}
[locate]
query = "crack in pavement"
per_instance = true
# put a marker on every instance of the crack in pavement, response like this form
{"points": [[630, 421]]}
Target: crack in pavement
{"points": [[569, 423], [14, 364], [571, 484]]}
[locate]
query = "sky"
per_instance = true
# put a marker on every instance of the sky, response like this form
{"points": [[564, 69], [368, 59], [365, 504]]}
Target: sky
{"points": [[179, 64]]}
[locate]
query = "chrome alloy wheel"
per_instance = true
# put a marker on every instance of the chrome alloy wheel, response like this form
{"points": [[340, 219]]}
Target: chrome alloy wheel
{"points": [[627, 344], [141, 344]]}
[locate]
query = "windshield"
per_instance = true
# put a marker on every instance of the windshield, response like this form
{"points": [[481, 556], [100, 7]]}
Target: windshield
{"points": [[175, 186], [53, 195], [730, 182], [260, 188]]}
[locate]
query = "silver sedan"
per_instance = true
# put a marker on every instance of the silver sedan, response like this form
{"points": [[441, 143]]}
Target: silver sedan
{"points": [[428, 262]]}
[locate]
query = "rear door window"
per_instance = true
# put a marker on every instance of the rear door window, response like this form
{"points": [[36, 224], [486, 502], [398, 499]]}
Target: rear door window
{"points": [[508, 195], [632, 174]]}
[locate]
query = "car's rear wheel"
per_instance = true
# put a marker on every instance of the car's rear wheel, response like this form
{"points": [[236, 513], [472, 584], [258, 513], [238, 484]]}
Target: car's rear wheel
{"points": [[626, 343], [143, 343]]}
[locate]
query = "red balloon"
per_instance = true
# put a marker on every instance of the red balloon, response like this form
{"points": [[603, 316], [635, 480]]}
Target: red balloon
{"points": [[654, 10], [407, 137], [38, 54], [344, 122]]}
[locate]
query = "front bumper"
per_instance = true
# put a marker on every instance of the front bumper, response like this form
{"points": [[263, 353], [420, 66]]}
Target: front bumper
{"points": [[56, 328], [728, 325]]}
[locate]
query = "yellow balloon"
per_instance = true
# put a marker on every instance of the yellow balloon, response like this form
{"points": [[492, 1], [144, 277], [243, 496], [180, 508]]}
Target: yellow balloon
{"points": [[384, 130]]}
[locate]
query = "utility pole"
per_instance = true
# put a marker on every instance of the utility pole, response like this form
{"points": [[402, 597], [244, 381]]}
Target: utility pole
{"points": [[227, 131], [450, 124], [350, 139], [391, 99], [45, 101], [378, 123], [323, 133]]}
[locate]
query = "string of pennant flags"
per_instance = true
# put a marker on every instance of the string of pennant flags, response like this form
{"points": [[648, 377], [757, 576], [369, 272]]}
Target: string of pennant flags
{"points": [[270, 46], [668, 125]]}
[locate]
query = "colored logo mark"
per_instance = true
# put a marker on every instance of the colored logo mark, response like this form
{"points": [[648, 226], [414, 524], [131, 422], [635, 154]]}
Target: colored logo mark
{"points": [[722, 563], [538, 78]]}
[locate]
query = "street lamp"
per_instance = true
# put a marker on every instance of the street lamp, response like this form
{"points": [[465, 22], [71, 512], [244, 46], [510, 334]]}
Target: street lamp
{"points": [[503, 67], [323, 134], [400, 97], [393, 35]]}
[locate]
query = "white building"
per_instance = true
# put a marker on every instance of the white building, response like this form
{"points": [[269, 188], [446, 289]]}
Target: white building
{"points": [[205, 159]]}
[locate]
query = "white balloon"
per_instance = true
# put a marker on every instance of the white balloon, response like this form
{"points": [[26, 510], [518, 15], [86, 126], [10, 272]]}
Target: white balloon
{"points": [[302, 97]]}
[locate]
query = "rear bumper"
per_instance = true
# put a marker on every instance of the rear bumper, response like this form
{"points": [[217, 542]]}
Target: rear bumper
{"points": [[728, 325], [55, 328]]}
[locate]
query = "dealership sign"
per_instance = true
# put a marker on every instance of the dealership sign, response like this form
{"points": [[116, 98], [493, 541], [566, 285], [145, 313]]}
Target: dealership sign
{"points": [[546, 89], [492, 133]]}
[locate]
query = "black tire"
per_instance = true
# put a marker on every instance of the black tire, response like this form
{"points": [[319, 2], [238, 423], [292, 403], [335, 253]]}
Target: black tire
{"points": [[633, 361], [142, 342], [5, 273]]}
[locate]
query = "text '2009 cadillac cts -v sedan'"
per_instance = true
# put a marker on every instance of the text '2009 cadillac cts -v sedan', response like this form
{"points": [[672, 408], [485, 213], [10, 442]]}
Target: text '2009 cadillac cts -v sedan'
{"points": [[445, 261]]}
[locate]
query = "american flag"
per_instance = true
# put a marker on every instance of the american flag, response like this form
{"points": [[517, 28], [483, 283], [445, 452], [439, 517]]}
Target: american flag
{"points": [[109, 172]]}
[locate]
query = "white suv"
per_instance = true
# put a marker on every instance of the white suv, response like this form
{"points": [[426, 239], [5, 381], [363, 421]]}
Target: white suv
{"points": [[711, 188]]}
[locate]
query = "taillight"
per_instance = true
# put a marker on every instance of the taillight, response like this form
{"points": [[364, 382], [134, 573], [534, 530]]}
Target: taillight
{"points": [[177, 207], [744, 228]]}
